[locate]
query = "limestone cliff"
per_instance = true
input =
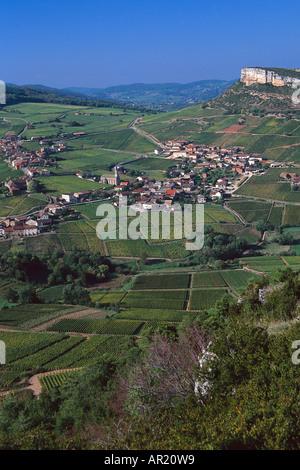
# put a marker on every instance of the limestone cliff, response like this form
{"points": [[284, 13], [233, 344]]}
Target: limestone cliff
{"points": [[251, 75]]}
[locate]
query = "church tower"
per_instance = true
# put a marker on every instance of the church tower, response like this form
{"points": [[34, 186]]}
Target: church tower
{"points": [[117, 177]]}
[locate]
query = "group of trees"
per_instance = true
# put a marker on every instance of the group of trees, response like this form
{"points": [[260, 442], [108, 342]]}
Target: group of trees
{"points": [[75, 270], [79, 268], [218, 248]]}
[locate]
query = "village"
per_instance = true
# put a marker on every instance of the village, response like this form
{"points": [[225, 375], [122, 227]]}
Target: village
{"points": [[197, 174]]}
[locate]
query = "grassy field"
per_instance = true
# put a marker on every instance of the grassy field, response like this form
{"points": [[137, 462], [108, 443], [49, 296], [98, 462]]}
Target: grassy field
{"points": [[236, 280], [91, 350], [59, 184], [251, 211], [265, 264], [291, 215], [18, 205]]}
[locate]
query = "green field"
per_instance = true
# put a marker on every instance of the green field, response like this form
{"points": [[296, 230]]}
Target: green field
{"points": [[265, 264], [18, 205], [92, 350], [20, 345], [54, 379]]}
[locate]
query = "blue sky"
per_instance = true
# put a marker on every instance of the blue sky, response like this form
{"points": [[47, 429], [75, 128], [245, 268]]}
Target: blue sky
{"points": [[97, 43]]}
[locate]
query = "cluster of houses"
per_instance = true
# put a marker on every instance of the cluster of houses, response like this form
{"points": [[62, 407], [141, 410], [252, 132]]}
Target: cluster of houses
{"points": [[193, 168], [184, 177], [17, 186], [24, 226], [14, 227], [32, 163], [79, 196], [293, 178], [212, 157], [204, 160]]}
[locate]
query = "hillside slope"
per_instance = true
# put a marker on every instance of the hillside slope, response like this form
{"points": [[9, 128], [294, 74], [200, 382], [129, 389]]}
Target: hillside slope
{"points": [[258, 118], [261, 90]]}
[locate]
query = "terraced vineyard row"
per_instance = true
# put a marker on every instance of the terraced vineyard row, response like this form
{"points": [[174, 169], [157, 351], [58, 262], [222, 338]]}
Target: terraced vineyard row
{"points": [[20, 345], [91, 350], [55, 379], [175, 300], [100, 327], [42, 357], [148, 314]]}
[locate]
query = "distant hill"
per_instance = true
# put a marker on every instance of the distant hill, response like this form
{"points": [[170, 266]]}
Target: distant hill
{"points": [[164, 96], [42, 94], [55, 91], [159, 96]]}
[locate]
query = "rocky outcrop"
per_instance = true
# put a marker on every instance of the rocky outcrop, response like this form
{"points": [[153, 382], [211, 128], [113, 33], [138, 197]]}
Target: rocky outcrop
{"points": [[251, 75]]}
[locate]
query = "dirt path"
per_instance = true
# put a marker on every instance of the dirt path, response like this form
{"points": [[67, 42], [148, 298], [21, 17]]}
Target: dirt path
{"points": [[112, 284], [253, 270], [147, 136], [34, 383], [234, 213], [8, 328]]}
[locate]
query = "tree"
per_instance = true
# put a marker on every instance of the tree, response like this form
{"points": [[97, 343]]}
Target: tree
{"points": [[27, 295], [260, 226], [34, 186], [76, 295], [286, 239], [144, 257]]}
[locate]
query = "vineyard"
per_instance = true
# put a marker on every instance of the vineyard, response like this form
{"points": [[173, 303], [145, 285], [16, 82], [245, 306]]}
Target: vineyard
{"points": [[151, 301], [27, 353], [100, 327], [27, 316], [91, 350], [208, 279], [135, 248], [157, 299], [20, 345], [205, 298], [161, 281], [150, 315], [44, 356]]}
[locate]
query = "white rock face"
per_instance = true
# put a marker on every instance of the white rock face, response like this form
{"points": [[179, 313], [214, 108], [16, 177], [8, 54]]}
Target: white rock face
{"points": [[251, 75]]}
